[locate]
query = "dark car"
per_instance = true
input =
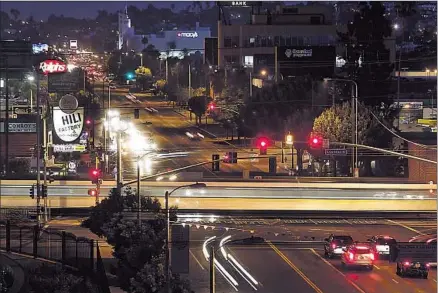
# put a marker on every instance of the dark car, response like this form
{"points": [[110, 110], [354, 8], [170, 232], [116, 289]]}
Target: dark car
{"points": [[336, 244]]}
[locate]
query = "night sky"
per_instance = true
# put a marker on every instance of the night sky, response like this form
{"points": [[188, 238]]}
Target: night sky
{"points": [[79, 9]]}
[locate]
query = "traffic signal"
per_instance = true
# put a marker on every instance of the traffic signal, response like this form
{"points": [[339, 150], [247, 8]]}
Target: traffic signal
{"points": [[51, 179], [88, 122], [136, 113], [43, 191], [211, 106], [262, 144], [315, 141], [95, 175], [129, 75], [272, 165], [32, 191], [215, 162], [92, 192]]}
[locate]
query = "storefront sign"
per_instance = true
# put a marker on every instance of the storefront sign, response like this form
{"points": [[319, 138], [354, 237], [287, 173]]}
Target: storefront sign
{"points": [[188, 35], [53, 66], [68, 126], [294, 53], [68, 104], [68, 148], [19, 127]]}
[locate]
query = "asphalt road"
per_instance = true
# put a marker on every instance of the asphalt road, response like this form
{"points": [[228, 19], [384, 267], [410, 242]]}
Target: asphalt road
{"points": [[168, 129], [301, 267]]}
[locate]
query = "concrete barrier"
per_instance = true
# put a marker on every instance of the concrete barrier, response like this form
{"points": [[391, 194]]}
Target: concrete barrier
{"points": [[261, 184]]}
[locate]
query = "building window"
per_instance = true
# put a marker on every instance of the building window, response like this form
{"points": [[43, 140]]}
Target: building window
{"points": [[235, 42], [248, 61], [227, 42], [294, 41]]}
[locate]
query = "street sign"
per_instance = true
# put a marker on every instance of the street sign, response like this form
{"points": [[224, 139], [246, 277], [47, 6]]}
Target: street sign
{"points": [[335, 152], [325, 143], [180, 249]]}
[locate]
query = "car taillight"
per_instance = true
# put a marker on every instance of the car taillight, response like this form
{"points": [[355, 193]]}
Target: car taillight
{"points": [[351, 256], [333, 245], [428, 265], [372, 256], [406, 263]]}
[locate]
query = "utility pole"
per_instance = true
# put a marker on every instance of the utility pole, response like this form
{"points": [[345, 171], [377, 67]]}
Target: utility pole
{"points": [[119, 161], [6, 162], [250, 84], [212, 271], [45, 159], [38, 161], [190, 81], [167, 264], [138, 192], [167, 70], [276, 64]]}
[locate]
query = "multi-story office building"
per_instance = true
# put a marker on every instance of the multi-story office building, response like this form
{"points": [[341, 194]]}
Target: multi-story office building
{"points": [[305, 34]]}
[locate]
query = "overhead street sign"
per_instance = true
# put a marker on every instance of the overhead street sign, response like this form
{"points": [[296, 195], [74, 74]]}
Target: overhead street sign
{"points": [[335, 152]]}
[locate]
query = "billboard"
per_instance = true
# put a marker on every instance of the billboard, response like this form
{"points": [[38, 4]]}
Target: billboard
{"points": [[307, 60], [73, 44], [68, 82], [39, 48], [68, 126]]}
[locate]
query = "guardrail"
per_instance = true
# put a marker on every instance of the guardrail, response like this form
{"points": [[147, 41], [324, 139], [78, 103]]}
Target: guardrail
{"points": [[58, 246]]}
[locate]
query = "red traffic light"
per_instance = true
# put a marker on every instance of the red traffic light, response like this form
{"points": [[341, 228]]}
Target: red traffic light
{"points": [[92, 192], [315, 141], [88, 121], [262, 142], [211, 106]]}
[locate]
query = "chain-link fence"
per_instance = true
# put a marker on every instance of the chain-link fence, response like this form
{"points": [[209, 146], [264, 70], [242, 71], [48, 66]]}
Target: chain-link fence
{"points": [[55, 245]]}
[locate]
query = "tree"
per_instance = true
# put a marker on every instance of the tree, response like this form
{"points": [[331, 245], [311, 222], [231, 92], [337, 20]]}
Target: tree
{"points": [[336, 124], [367, 61], [15, 13], [198, 105], [144, 41]]}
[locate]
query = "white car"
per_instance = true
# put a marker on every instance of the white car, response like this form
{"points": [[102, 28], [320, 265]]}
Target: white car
{"points": [[382, 244]]}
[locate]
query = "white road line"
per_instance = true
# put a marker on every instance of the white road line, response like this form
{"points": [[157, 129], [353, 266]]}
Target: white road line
{"points": [[376, 267], [434, 280], [405, 226], [347, 222], [313, 221], [196, 259], [333, 267], [395, 281]]}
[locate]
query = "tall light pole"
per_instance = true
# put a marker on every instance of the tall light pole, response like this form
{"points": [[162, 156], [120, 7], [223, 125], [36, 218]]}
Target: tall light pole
{"points": [[166, 199], [354, 96]]}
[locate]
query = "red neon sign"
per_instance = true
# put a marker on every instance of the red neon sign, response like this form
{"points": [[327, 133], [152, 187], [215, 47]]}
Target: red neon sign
{"points": [[53, 66]]}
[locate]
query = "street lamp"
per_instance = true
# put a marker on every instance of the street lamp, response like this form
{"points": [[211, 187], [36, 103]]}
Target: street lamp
{"points": [[141, 59], [354, 94], [31, 78], [166, 199]]}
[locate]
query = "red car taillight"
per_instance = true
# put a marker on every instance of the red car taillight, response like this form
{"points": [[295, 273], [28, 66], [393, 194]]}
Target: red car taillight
{"points": [[333, 245], [351, 256], [406, 263]]}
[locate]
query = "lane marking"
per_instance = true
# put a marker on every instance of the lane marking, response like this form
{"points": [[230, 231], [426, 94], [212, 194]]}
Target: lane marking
{"points": [[297, 270], [342, 274], [434, 280], [376, 267], [196, 259], [405, 226], [313, 222], [395, 281]]}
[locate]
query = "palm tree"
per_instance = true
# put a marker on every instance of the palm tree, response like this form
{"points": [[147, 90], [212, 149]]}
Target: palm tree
{"points": [[15, 13], [144, 41]]}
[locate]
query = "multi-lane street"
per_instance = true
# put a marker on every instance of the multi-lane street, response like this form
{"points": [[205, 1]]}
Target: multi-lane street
{"points": [[168, 128], [292, 258]]}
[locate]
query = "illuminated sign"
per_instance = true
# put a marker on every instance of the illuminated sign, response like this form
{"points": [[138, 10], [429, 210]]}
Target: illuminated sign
{"points": [[73, 44], [68, 126], [296, 53], [188, 35], [68, 148], [39, 48], [53, 66]]}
